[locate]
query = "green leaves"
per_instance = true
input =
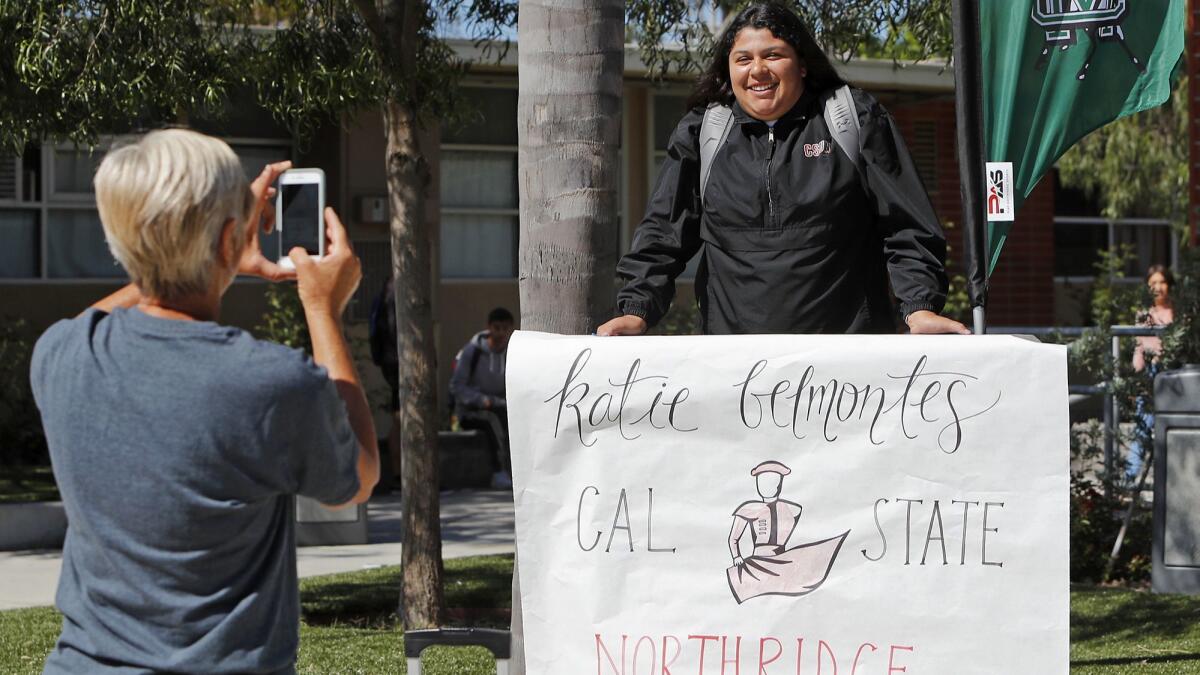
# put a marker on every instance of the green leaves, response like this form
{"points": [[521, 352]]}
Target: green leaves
{"points": [[1181, 341], [677, 35], [1136, 166], [21, 436], [322, 64], [77, 69], [283, 322], [74, 69]]}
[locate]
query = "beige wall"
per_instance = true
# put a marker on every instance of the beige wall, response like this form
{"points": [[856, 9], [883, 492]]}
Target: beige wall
{"points": [[463, 312], [362, 155]]}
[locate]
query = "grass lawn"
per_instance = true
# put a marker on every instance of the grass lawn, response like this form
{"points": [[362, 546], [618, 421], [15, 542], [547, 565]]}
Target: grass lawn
{"points": [[348, 622], [1119, 631], [349, 626], [27, 484]]}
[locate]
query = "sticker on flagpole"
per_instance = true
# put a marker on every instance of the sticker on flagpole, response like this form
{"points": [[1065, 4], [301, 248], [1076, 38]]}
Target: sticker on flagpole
{"points": [[999, 196]]}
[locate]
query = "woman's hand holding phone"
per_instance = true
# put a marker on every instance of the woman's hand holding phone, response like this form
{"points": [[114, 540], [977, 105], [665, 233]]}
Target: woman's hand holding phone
{"points": [[326, 285], [262, 219]]}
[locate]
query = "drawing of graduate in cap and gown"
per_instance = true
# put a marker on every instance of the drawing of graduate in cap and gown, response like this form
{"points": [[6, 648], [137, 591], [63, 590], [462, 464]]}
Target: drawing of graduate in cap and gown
{"points": [[773, 568]]}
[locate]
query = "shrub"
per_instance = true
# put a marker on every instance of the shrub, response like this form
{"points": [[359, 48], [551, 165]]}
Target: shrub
{"points": [[1098, 508], [22, 441], [1099, 500], [284, 321]]}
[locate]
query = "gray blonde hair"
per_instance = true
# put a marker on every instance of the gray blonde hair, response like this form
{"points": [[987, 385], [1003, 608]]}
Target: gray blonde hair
{"points": [[163, 202]]}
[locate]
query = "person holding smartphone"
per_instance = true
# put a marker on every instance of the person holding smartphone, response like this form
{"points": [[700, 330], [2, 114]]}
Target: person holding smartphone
{"points": [[177, 442]]}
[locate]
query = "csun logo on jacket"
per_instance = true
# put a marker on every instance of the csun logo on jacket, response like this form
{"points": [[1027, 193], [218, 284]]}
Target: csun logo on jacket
{"points": [[818, 149]]}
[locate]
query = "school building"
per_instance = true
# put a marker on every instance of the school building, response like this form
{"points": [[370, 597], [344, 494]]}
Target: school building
{"points": [[54, 262]]}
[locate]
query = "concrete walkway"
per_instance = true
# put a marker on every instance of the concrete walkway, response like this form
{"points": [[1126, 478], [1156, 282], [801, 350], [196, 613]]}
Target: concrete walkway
{"points": [[474, 522]]}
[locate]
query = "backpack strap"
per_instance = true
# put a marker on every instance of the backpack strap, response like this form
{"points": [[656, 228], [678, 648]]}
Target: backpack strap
{"points": [[474, 362], [718, 120], [841, 116]]}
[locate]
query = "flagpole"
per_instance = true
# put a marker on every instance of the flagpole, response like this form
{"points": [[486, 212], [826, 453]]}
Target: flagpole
{"points": [[968, 106]]}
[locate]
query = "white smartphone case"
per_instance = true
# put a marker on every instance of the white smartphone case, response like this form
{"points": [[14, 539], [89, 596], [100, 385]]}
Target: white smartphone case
{"points": [[301, 176]]}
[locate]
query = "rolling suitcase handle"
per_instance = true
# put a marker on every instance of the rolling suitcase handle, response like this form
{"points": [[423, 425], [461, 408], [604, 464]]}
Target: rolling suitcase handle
{"points": [[496, 641]]}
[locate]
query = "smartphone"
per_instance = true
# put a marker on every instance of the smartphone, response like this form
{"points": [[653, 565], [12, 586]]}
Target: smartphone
{"points": [[299, 213]]}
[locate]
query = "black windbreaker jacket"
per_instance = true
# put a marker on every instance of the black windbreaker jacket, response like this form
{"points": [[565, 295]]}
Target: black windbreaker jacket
{"points": [[795, 238]]}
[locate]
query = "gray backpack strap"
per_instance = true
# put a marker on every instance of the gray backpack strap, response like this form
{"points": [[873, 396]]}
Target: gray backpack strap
{"points": [[718, 120], [842, 119], [841, 116]]}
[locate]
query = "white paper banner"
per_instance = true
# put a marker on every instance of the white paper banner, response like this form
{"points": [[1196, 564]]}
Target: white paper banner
{"points": [[907, 512]]}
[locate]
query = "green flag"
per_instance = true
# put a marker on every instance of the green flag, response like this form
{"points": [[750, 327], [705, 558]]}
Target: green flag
{"points": [[1055, 70]]}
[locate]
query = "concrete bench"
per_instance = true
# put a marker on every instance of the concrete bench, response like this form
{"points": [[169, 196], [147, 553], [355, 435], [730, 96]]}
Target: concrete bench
{"points": [[320, 526], [32, 525], [464, 459]]}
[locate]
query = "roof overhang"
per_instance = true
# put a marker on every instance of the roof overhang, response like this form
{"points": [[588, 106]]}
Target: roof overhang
{"points": [[873, 74]]}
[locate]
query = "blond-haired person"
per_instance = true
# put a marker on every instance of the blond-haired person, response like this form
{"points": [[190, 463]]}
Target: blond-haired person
{"points": [[177, 442]]}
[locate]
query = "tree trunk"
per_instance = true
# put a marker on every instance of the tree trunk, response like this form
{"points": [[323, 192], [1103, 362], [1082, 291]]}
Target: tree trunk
{"points": [[569, 131], [408, 184], [570, 61], [396, 25]]}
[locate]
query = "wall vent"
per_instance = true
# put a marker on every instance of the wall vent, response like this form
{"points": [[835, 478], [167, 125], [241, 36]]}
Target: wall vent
{"points": [[10, 177]]}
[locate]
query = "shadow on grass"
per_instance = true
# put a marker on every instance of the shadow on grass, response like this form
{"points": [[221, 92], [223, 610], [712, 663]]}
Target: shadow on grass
{"points": [[477, 593], [1136, 660], [1121, 615]]}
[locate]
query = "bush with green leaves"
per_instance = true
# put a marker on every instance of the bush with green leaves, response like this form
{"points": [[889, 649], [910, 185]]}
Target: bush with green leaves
{"points": [[1114, 303], [683, 318], [1181, 340], [284, 321], [22, 441], [1098, 508], [1100, 500]]}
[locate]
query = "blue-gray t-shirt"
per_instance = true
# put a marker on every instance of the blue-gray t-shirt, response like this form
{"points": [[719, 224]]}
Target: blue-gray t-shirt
{"points": [[177, 446]]}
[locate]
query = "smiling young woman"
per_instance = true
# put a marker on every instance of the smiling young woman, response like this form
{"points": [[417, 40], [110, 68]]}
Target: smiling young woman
{"points": [[795, 236], [765, 73]]}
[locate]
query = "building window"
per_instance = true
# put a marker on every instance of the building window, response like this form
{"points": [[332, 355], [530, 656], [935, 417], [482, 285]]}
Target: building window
{"points": [[19, 254], [666, 111], [48, 218], [254, 155], [479, 189], [75, 246], [1078, 241], [71, 173]]}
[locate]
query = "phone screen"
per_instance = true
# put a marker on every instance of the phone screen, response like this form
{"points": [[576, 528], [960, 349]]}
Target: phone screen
{"points": [[301, 217]]}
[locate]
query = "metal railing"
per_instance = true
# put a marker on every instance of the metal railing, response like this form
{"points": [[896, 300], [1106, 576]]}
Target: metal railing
{"points": [[1111, 408]]}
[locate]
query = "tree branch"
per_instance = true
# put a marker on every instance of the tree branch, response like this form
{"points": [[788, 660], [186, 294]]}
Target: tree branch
{"points": [[370, 14]]}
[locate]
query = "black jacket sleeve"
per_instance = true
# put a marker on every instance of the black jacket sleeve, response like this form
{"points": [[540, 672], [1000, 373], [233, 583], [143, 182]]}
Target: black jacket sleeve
{"points": [[669, 234], [914, 245]]}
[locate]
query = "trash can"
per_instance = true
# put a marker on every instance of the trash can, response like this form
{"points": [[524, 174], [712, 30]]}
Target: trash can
{"points": [[1176, 553]]}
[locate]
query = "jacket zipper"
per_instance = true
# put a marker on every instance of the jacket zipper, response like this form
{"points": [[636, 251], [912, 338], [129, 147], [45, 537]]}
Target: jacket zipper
{"points": [[767, 177]]}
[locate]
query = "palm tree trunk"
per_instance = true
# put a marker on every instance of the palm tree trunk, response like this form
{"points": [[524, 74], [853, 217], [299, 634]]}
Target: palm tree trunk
{"points": [[569, 131]]}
